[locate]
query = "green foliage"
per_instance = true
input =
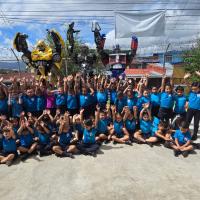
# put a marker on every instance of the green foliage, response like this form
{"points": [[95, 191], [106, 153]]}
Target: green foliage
{"points": [[192, 61]]}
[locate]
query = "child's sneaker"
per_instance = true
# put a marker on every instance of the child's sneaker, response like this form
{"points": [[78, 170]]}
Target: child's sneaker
{"points": [[150, 144], [129, 143], [106, 141], [24, 156], [176, 153], [114, 142], [185, 154], [67, 154], [9, 163]]}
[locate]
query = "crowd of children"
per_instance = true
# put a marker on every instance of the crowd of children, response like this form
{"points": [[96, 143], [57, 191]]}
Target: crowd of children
{"points": [[79, 113]]}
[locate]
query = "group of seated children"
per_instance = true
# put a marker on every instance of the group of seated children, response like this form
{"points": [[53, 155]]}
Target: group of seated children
{"points": [[80, 113]]}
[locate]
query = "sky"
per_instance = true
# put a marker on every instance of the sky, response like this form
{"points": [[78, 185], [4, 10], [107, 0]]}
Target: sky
{"points": [[33, 17]]}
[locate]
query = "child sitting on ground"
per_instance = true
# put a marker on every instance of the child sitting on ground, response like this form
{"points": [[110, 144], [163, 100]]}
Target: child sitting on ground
{"points": [[182, 143], [64, 148], [119, 133], [144, 135], [88, 146], [9, 152], [27, 144]]}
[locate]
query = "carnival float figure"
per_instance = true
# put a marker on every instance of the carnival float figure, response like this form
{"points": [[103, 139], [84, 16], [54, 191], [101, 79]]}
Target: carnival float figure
{"points": [[46, 59], [117, 60], [70, 36]]}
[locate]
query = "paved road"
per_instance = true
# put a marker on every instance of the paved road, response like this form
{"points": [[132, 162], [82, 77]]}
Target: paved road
{"points": [[118, 172]]}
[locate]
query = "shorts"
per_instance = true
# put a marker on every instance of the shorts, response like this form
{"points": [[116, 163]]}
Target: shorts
{"points": [[155, 110], [72, 112], [64, 147], [62, 108], [105, 133], [165, 113], [4, 153], [146, 135]]}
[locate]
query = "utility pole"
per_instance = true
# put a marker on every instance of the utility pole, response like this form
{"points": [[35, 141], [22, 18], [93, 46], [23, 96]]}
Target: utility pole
{"points": [[164, 60], [19, 67]]}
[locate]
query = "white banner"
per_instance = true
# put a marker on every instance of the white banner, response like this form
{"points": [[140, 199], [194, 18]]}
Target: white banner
{"points": [[141, 24]]}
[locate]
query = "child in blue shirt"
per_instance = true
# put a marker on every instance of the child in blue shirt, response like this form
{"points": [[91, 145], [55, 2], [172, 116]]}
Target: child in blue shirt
{"points": [[180, 102], [182, 143], [155, 101], [40, 102], [9, 153], [64, 147], [44, 146], [102, 97], [166, 101], [194, 108], [102, 123], [120, 102], [27, 145], [29, 101], [129, 121], [15, 102], [144, 100], [88, 146], [145, 134], [119, 133], [61, 100], [164, 133], [3, 100], [78, 127]]}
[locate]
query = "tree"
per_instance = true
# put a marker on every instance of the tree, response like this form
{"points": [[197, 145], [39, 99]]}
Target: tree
{"points": [[192, 62]]}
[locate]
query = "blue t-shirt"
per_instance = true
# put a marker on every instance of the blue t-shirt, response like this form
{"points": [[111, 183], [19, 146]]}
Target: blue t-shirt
{"points": [[72, 101], [85, 100], [3, 105], [131, 102], [142, 100], [182, 137], [29, 103], [102, 126], [145, 126], [44, 138], [61, 99], [113, 96], [41, 103], [89, 136], [26, 140], [102, 97], [9, 145], [16, 108], [155, 99], [120, 103], [166, 100], [130, 125], [155, 124], [65, 138], [79, 128], [194, 100], [180, 102], [118, 126]]}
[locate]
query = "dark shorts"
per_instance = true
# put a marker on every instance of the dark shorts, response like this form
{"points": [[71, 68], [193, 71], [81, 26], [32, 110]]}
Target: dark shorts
{"points": [[146, 135], [5, 154], [155, 110], [105, 133], [62, 108], [165, 113], [72, 112]]}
